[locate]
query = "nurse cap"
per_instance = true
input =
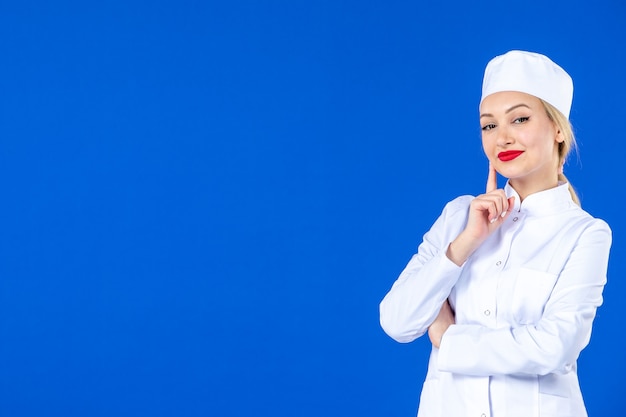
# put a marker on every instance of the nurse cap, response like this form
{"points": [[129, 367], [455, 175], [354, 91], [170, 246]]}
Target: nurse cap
{"points": [[529, 73]]}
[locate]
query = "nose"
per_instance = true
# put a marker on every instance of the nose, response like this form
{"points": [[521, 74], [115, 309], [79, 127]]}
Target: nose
{"points": [[504, 136]]}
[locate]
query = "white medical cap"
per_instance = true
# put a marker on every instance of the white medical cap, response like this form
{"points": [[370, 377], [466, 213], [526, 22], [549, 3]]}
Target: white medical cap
{"points": [[529, 73]]}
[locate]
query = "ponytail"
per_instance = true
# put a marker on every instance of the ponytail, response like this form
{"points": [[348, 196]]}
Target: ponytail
{"points": [[563, 178], [569, 142]]}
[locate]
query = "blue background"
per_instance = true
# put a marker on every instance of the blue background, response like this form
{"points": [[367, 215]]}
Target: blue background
{"points": [[204, 202]]}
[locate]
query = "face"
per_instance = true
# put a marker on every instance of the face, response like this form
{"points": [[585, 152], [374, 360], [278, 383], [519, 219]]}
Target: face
{"points": [[520, 140]]}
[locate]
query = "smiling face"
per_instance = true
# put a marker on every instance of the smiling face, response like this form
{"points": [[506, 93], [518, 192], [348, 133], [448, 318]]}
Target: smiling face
{"points": [[520, 140]]}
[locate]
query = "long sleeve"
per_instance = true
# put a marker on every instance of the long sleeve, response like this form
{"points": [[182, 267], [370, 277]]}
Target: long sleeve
{"points": [[415, 298], [553, 343]]}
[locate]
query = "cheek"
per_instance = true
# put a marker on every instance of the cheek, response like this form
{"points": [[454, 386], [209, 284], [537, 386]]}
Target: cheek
{"points": [[545, 143], [543, 137], [488, 146]]}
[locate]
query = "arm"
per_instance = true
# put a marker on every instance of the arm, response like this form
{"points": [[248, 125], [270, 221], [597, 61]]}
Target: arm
{"points": [[555, 341], [487, 212], [416, 296]]}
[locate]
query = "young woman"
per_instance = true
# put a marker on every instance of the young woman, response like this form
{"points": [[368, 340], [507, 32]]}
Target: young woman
{"points": [[507, 284]]}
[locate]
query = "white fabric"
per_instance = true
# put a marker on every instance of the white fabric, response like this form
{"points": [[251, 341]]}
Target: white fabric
{"points": [[524, 305], [529, 73]]}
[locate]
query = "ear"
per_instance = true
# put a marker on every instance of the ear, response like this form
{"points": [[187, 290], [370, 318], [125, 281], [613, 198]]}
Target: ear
{"points": [[559, 136]]}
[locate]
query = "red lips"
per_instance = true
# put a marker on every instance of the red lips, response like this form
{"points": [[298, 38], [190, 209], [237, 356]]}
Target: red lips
{"points": [[509, 155]]}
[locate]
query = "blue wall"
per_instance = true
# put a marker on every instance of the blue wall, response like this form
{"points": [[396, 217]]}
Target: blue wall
{"points": [[204, 202]]}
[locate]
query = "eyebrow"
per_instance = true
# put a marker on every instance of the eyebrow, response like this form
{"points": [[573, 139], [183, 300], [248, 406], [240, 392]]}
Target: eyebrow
{"points": [[506, 112]]}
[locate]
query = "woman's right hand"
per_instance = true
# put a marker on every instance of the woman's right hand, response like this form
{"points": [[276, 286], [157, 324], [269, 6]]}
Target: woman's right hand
{"points": [[487, 212], [444, 319]]}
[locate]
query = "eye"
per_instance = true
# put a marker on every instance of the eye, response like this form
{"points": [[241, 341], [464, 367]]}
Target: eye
{"points": [[488, 127], [521, 120]]}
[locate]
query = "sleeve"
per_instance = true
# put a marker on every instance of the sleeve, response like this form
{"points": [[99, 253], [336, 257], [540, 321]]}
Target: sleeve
{"points": [[554, 343], [415, 298]]}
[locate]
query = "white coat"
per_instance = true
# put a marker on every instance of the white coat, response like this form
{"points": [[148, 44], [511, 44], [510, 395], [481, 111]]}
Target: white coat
{"points": [[524, 305]]}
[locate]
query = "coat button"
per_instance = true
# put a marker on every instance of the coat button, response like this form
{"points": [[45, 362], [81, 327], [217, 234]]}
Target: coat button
{"points": [[487, 313], [498, 263], [515, 219]]}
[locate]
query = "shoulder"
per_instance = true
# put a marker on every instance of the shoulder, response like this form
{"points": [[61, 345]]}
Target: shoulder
{"points": [[455, 211], [449, 224], [458, 206], [589, 219], [459, 203], [585, 222]]}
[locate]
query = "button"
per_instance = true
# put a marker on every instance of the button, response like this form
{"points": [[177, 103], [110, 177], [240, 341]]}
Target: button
{"points": [[498, 263], [487, 313], [483, 415], [515, 219]]}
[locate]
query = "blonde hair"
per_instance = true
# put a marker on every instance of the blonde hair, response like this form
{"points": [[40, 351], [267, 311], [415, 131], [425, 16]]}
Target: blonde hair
{"points": [[565, 127]]}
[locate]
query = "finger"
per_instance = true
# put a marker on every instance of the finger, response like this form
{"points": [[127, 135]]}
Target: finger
{"points": [[492, 204], [496, 212], [492, 179], [510, 203]]}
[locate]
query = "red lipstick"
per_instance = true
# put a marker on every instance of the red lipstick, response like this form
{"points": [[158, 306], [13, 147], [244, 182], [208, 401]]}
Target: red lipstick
{"points": [[509, 155]]}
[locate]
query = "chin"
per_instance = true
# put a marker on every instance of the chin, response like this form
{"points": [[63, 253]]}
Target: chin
{"points": [[508, 173]]}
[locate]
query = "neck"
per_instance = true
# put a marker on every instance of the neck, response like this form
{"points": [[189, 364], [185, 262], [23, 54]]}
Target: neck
{"points": [[526, 188]]}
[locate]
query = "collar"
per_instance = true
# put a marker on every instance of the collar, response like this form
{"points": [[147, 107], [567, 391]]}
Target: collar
{"points": [[553, 200]]}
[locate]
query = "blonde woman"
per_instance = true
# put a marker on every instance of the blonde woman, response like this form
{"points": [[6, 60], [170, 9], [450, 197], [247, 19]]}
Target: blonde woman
{"points": [[506, 284]]}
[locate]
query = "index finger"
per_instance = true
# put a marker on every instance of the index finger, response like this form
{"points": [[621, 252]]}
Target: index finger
{"points": [[492, 179]]}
